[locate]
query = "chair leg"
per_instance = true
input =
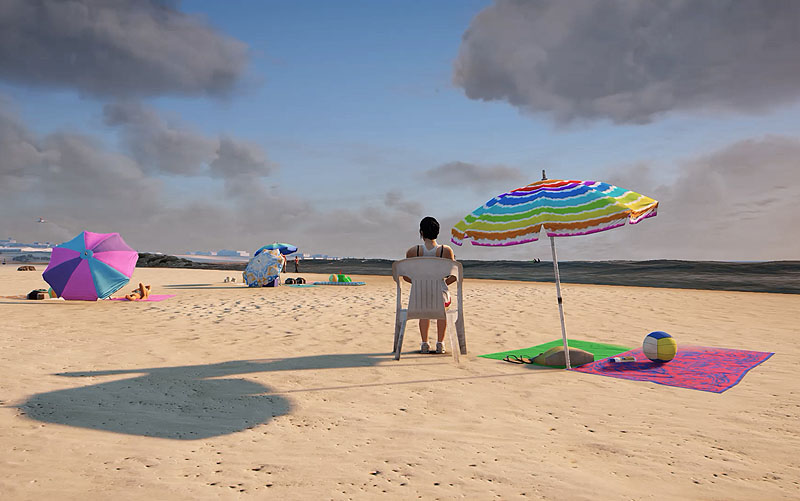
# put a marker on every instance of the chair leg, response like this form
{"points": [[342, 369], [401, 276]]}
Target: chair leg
{"points": [[399, 345], [396, 332], [462, 338], [454, 343]]}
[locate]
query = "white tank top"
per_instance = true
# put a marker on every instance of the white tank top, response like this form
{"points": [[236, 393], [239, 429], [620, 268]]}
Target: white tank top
{"points": [[435, 252], [431, 252]]}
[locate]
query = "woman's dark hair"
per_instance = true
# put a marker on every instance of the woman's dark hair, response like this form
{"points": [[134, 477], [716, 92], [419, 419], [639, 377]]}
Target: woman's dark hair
{"points": [[429, 228]]}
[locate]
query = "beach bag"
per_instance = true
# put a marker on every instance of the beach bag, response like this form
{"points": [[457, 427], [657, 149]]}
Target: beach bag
{"points": [[38, 294]]}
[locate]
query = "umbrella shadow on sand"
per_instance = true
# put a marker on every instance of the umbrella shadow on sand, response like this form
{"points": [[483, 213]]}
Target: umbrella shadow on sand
{"points": [[185, 403]]}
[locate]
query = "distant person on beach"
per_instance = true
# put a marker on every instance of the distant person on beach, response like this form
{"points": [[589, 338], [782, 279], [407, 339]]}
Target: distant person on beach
{"points": [[428, 232], [295, 265]]}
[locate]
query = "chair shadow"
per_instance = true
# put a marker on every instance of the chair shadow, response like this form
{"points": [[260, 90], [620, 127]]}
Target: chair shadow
{"points": [[209, 287], [185, 403]]}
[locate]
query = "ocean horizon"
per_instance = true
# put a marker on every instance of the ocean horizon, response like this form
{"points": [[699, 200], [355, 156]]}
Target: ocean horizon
{"points": [[755, 276], [745, 276]]}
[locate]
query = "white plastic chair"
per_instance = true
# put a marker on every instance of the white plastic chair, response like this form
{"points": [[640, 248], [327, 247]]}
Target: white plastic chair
{"points": [[426, 301]]}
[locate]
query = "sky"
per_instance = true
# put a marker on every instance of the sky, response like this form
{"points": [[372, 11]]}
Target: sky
{"points": [[336, 126]]}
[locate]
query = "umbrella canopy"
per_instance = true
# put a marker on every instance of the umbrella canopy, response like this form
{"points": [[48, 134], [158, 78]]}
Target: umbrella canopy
{"points": [[263, 268], [284, 248], [560, 208], [90, 266]]}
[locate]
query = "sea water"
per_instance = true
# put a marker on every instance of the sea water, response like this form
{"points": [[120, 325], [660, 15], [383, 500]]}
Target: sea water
{"points": [[771, 276]]}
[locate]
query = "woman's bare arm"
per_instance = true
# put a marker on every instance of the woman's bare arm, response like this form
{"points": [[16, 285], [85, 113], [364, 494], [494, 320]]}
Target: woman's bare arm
{"points": [[411, 252], [447, 253]]}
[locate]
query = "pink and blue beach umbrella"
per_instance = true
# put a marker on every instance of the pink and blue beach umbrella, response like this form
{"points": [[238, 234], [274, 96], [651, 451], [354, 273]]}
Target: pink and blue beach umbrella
{"points": [[284, 248], [90, 266]]}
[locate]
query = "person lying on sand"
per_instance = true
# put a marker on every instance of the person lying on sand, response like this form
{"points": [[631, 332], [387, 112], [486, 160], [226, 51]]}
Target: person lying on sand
{"points": [[143, 292]]}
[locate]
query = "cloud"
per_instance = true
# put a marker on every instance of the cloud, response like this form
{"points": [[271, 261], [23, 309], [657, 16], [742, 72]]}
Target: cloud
{"points": [[235, 157], [737, 203], [368, 230], [630, 61], [740, 200], [69, 170], [62, 165], [395, 200], [21, 154], [173, 148], [460, 174], [157, 145], [77, 183], [116, 48]]}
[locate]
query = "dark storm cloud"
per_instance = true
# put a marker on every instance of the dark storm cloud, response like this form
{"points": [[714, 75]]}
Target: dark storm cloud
{"points": [[631, 60], [175, 149], [458, 174], [115, 48]]}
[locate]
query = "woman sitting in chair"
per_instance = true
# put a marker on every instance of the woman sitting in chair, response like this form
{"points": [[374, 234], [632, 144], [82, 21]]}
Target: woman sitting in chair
{"points": [[428, 231]]}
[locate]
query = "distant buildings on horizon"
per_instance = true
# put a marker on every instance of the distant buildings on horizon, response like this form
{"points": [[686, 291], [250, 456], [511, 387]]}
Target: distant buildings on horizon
{"points": [[11, 245], [221, 253], [321, 256], [35, 252], [240, 253]]}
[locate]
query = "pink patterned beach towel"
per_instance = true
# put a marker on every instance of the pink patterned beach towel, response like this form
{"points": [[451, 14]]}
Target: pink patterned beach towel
{"points": [[152, 298], [694, 367]]}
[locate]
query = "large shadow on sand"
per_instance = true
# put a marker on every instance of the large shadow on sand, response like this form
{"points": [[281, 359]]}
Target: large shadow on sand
{"points": [[186, 403]]}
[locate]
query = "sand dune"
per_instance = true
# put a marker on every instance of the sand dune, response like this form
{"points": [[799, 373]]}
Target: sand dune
{"points": [[287, 393]]}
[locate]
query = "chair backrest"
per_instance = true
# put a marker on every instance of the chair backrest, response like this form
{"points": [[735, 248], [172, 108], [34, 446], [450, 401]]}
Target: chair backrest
{"points": [[426, 274]]}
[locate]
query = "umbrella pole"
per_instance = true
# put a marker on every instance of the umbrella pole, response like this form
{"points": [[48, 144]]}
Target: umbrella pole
{"points": [[560, 301]]}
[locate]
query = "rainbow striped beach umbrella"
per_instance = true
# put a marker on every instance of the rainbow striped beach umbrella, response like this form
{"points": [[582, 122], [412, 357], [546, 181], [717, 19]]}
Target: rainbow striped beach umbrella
{"points": [[560, 208]]}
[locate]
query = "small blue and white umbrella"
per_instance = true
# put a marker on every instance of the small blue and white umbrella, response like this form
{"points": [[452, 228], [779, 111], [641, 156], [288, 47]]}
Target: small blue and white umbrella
{"points": [[264, 268], [284, 248]]}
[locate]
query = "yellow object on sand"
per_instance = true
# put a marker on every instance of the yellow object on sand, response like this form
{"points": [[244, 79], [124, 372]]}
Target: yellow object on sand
{"points": [[333, 278]]}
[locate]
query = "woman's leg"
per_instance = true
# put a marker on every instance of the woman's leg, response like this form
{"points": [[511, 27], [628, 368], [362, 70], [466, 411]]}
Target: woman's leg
{"points": [[441, 325], [424, 323]]}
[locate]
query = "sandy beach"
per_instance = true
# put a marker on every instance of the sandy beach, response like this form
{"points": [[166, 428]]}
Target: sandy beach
{"points": [[291, 393]]}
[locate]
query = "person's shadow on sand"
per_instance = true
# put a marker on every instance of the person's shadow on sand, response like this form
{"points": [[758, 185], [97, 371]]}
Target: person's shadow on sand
{"points": [[185, 403]]}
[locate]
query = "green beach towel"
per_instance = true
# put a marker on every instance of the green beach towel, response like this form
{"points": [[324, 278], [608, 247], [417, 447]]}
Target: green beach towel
{"points": [[599, 350]]}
